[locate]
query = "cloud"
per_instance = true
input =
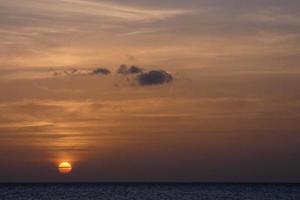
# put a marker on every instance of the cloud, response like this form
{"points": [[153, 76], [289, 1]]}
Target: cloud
{"points": [[154, 77], [100, 70], [142, 32], [274, 15], [133, 75], [123, 69], [96, 9], [121, 11], [76, 72], [70, 72]]}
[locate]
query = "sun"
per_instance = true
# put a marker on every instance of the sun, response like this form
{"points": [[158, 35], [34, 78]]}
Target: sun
{"points": [[64, 168]]}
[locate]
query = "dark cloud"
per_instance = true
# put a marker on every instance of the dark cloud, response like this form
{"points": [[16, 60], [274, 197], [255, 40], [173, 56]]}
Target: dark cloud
{"points": [[67, 72], [154, 77], [74, 72], [135, 70], [102, 71], [133, 73], [124, 69]]}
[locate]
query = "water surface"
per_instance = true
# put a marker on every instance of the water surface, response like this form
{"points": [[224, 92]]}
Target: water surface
{"points": [[155, 191]]}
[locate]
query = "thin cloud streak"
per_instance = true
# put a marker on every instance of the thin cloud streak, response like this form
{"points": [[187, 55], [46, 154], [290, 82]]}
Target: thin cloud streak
{"points": [[75, 8], [142, 32], [122, 11], [273, 15]]}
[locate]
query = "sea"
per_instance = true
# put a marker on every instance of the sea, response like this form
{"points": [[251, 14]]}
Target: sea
{"points": [[149, 191]]}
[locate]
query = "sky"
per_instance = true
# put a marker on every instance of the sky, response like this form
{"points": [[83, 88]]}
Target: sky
{"points": [[230, 112], [192, 33]]}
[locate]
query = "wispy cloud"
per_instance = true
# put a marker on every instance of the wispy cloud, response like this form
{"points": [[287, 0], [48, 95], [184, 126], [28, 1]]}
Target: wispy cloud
{"points": [[119, 11], [142, 32], [104, 9], [273, 15], [276, 38]]}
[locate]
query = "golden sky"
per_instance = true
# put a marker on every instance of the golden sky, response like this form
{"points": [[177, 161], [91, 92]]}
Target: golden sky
{"points": [[231, 112]]}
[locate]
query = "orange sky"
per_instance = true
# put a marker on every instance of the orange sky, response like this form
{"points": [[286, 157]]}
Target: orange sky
{"points": [[231, 112]]}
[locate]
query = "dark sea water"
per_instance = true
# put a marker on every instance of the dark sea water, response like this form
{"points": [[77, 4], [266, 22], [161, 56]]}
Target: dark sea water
{"points": [[149, 191]]}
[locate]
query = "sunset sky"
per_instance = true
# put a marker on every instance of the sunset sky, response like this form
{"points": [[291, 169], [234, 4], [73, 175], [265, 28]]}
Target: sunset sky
{"points": [[231, 113]]}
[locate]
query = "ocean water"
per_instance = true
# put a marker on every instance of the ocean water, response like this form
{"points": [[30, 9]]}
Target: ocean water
{"points": [[151, 191]]}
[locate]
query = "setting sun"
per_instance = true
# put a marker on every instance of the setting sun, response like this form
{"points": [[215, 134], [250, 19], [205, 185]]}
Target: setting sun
{"points": [[64, 168]]}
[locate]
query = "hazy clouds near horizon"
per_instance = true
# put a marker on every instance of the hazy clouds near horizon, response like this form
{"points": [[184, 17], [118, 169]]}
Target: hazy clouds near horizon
{"points": [[208, 125]]}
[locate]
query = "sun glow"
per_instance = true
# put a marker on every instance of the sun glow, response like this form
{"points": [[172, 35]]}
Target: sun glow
{"points": [[65, 168]]}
